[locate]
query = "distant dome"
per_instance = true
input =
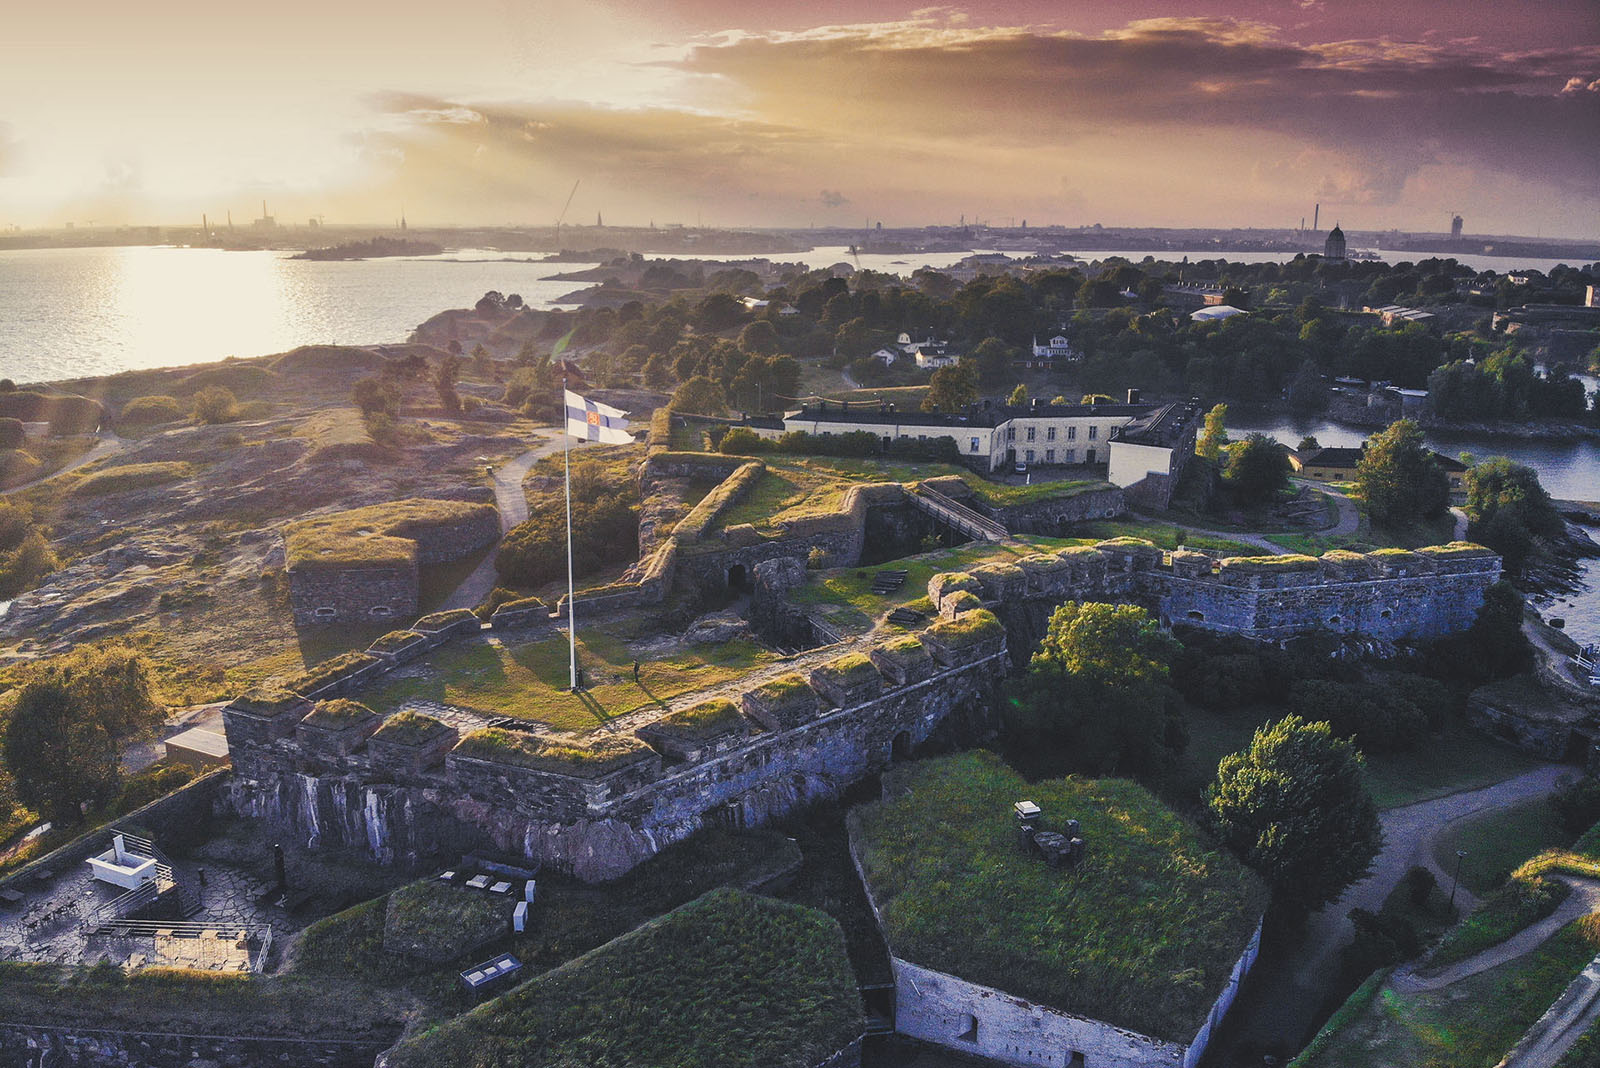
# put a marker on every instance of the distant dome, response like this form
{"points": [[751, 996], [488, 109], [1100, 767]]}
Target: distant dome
{"points": [[1219, 311], [1333, 248]]}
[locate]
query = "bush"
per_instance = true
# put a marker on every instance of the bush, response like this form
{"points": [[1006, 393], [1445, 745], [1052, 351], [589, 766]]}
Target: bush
{"points": [[215, 404], [11, 434], [151, 410], [1578, 804], [65, 414], [235, 377], [742, 441], [605, 530], [1419, 884]]}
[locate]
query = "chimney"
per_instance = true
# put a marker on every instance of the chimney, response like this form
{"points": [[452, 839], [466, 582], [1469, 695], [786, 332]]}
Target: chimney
{"points": [[1133, 395]]}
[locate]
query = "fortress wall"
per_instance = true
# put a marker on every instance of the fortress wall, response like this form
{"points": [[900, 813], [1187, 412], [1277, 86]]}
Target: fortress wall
{"points": [[356, 595], [451, 541]]}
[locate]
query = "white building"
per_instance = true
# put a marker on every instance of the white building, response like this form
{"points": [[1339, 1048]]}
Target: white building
{"points": [[1057, 348], [931, 357]]}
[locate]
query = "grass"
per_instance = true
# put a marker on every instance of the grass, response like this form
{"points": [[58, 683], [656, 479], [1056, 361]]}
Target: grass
{"points": [[1512, 908], [130, 477], [530, 681], [339, 434], [729, 979], [590, 758], [338, 714], [853, 586], [1144, 936], [409, 728], [1163, 535], [968, 629], [320, 675], [377, 535], [1457, 758], [1469, 1023], [703, 722], [569, 919], [440, 921], [1499, 841]]}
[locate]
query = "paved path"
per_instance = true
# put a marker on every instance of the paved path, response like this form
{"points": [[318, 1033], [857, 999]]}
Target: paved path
{"points": [[108, 445], [1409, 833], [1349, 521], [512, 502], [1462, 522]]}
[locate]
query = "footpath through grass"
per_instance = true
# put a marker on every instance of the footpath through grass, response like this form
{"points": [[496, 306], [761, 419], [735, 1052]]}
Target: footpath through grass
{"points": [[529, 681], [1470, 1023], [1498, 841]]}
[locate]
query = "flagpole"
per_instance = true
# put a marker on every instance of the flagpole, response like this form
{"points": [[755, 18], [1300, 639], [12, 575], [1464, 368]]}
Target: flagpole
{"points": [[566, 457]]}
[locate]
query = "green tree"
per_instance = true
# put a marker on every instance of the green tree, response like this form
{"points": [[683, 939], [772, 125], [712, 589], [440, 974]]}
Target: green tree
{"points": [[444, 382], [950, 388], [700, 396], [113, 684], [374, 394], [1508, 509], [1296, 808], [760, 338], [1257, 470], [1019, 397], [994, 358], [58, 752], [213, 405], [1309, 443], [1214, 435], [1099, 682], [1399, 478]]}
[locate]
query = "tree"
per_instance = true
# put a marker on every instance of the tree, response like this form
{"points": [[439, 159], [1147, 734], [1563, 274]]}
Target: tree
{"points": [[1399, 478], [1257, 470], [113, 686], [1309, 443], [1296, 808], [58, 753], [993, 358], [1099, 682], [1214, 435], [760, 338], [950, 389], [444, 383], [700, 396], [1019, 397], [215, 404], [1509, 509], [1234, 297], [374, 394]]}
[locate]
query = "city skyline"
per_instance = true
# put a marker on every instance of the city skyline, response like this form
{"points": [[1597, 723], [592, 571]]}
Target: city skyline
{"points": [[827, 114]]}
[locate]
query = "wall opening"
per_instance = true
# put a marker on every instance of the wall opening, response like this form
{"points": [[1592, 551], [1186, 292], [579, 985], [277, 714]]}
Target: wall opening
{"points": [[1386, 614], [1198, 617], [738, 578], [382, 611], [1334, 620], [1075, 1059], [900, 748], [969, 1028]]}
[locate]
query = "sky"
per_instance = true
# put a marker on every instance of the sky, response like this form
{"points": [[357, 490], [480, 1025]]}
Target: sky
{"points": [[1391, 114]]}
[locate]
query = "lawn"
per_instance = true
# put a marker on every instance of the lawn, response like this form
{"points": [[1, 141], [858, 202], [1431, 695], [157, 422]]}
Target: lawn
{"points": [[1457, 758], [1498, 841], [1469, 1023], [1164, 535], [529, 681], [852, 586], [1143, 935]]}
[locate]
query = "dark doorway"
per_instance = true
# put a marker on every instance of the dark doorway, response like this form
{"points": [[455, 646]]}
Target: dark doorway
{"points": [[900, 748], [738, 579]]}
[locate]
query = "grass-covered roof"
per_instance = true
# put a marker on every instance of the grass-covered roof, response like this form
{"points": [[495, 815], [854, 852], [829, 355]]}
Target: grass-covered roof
{"points": [[1143, 935], [730, 980], [379, 535], [585, 758]]}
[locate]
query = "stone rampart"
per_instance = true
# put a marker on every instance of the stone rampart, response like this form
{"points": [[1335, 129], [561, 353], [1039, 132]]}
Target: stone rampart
{"points": [[1388, 594], [346, 791], [30, 1046]]}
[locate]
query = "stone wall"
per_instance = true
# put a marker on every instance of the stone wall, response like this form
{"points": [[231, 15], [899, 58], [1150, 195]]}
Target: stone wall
{"points": [[597, 827], [358, 595], [1051, 515], [25, 1046]]}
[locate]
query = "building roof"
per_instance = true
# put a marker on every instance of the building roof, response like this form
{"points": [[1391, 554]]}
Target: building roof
{"points": [[1220, 311], [1143, 935], [1165, 428], [1329, 457], [975, 416]]}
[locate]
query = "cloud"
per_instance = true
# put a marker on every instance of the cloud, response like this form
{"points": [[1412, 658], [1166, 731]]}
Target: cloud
{"points": [[1384, 109], [832, 198]]}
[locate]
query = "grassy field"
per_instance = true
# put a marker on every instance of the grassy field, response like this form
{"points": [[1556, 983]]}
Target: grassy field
{"points": [[852, 586], [1499, 841], [1457, 758], [728, 979], [1469, 1024], [1143, 936], [528, 681]]}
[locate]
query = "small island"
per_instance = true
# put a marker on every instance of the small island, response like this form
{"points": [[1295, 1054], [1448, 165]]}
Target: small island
{"points": [[373, 249]]}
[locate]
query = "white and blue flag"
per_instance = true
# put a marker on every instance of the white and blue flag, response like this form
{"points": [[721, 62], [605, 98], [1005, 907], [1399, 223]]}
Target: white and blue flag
{"points": [[589, 420]]}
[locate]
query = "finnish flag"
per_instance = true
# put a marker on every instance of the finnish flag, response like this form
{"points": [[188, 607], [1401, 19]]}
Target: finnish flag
{"points": [[590, 420]]}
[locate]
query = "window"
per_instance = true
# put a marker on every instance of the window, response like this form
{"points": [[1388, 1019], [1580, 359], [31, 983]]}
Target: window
{"points": [[1071, 456], [968, 1028], [380, 610], [326, 612], [1049, 456], [1031, 432], [1072, 433], [1030, 456], [1094, 432], [1011, 433], [1050, 433], [973, 447]]}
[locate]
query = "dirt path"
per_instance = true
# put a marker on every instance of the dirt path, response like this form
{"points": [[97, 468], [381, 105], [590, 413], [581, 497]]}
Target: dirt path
{"points": [[1409, 833], [1349, 520], [512, 503], [1563, 1023], [1584, 899], [108, 445]]}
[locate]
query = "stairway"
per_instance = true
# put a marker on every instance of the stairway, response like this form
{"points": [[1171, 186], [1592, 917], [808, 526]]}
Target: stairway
{"points": [[957, 515]]}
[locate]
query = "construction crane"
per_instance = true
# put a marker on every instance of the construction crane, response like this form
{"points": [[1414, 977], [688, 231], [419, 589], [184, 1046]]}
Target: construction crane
{"points": [[562, 217]]}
